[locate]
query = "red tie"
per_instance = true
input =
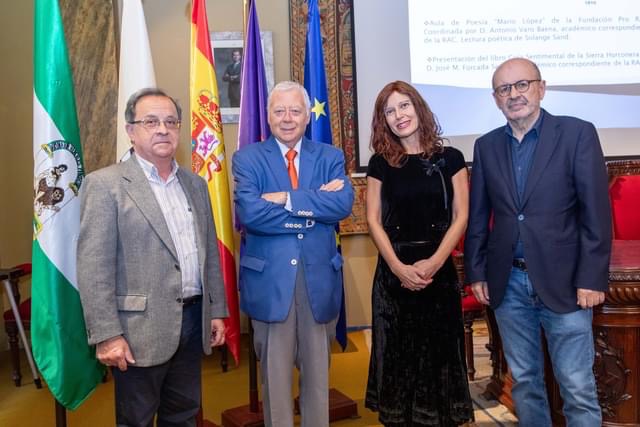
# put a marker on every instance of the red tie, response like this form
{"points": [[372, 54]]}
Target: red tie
{"points": [[291, 168]]}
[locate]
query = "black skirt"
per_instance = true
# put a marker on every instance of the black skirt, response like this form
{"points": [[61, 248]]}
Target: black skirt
{"points": [[417, 371]]}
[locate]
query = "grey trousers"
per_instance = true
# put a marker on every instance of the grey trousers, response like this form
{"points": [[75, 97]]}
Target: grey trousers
{"points": [[302, 341]]}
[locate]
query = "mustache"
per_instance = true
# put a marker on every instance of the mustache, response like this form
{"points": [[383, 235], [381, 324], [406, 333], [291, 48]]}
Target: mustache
{"points": [[519, 100]]}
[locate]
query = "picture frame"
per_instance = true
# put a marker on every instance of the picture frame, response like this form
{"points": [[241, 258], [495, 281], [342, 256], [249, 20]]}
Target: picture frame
{"points": [[226, 45]]}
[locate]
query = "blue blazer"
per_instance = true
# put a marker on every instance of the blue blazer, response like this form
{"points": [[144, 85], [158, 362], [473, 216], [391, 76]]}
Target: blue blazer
{"points": [[278, 240], [564, 219]]}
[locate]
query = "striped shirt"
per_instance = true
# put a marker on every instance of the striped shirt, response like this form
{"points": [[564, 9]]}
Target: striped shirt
{"points": [[179, 218]]}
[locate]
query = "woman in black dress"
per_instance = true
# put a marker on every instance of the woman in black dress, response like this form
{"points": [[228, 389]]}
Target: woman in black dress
{"points": [[417, 208]]}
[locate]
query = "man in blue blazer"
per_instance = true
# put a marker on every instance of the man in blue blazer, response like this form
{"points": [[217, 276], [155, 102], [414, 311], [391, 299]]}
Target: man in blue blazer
{"points": [[290, 193], [538, 243]]}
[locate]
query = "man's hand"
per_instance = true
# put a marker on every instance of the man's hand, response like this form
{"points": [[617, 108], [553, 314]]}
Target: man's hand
{"points": [[115, 352], [279, 197], [588, 298], [333, 185], [481, 292], [217, 332]]}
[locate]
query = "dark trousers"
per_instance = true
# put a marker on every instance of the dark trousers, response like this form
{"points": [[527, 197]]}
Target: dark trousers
{"points": [[170, 390]]}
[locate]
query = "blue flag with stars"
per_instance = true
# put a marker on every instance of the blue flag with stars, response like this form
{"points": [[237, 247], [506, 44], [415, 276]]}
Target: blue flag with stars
{"points": [[319, 128], [315, 81]]}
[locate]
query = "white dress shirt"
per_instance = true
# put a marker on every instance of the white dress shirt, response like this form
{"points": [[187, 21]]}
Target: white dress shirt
{"points": [[179, 218]]}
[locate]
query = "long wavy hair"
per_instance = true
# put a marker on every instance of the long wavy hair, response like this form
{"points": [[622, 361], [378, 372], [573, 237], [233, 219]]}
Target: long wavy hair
{"points": [[386, 143]]}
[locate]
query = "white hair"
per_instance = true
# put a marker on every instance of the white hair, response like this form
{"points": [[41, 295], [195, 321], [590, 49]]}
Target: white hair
{"points": [[288, 85]]}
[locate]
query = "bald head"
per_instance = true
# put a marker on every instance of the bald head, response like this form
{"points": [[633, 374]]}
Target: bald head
{"points": [[522, 63], [517, 91]]}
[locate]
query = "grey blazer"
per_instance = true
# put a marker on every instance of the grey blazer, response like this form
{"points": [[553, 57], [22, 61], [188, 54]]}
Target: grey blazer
{"points": [[128, 272]]}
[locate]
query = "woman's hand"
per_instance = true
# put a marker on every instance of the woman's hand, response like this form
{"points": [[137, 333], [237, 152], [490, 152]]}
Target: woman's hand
{"points": [[411, 277], [427, 267]]}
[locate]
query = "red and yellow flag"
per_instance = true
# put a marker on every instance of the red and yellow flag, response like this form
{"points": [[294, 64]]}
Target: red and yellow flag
{"points": [[209, 161]]}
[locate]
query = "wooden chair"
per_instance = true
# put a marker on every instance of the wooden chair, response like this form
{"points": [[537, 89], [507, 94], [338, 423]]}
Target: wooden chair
{"points": [[472, 309], [10, 324], [624, 195]]}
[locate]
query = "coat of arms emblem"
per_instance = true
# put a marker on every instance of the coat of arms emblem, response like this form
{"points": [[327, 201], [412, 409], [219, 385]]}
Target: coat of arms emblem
{"points": [[58, 173]]}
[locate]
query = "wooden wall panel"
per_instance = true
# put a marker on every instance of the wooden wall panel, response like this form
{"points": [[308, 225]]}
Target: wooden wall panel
{"points": [[89, 30]]}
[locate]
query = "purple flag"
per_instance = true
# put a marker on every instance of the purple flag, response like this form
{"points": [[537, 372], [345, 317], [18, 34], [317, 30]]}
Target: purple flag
{"points": [[253, 126]]}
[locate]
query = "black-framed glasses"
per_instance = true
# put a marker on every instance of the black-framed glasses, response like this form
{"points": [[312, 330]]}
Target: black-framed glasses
{"points": [[521, 86], [152, 123]]}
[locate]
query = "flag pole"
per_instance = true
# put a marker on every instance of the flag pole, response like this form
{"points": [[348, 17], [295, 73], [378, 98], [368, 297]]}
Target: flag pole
{"points": [[254, 404], [61, 415], [246, 4], [252, 127]]}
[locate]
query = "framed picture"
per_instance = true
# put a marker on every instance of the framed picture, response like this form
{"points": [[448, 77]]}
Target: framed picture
{"points": [[227, 54]]}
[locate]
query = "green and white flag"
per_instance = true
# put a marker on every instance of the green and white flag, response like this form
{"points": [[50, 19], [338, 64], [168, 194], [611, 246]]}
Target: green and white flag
{"points": [[60, 348]]}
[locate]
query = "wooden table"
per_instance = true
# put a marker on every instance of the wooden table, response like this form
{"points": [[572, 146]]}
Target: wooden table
{"points": [[616, 326]]}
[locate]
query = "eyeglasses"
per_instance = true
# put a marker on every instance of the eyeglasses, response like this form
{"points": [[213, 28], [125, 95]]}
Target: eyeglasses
{"points": [[152, 123], [521, 86]]}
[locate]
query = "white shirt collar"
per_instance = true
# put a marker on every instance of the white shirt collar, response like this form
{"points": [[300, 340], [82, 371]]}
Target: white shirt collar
{"points": [[284, 149], [151, 171]]}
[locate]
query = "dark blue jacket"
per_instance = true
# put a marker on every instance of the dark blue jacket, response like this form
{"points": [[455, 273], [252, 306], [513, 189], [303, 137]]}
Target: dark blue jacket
{"points": [[564, 220]]}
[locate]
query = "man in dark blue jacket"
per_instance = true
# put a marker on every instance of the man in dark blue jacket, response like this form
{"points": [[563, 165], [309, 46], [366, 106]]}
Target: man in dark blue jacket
{"points": [[538, 243]]}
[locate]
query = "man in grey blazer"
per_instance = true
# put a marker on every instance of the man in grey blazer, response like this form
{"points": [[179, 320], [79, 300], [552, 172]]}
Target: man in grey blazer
{"points": [[148, 270]]}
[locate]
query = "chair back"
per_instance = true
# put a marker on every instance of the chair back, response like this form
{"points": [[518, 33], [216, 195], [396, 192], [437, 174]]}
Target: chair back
{"points": [[624, 195]]}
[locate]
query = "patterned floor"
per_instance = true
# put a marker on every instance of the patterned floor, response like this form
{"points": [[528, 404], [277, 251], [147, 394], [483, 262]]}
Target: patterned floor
{"points": [[488, 413]]}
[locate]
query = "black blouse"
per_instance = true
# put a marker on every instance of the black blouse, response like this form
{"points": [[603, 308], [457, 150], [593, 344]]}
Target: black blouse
{"points": [[413, 195]]}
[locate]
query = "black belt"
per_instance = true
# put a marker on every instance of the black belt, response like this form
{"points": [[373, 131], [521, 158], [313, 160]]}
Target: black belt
{"points": [[191, 300], [520, 264]]}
